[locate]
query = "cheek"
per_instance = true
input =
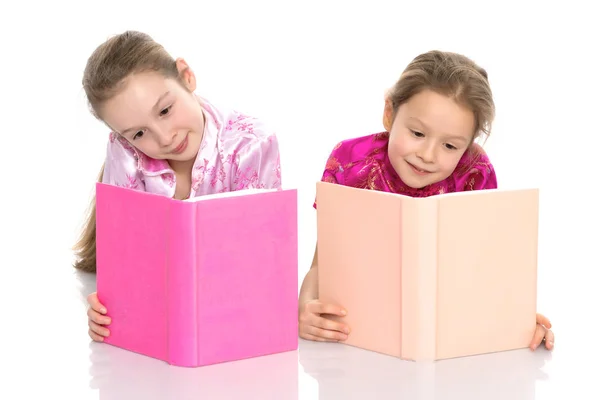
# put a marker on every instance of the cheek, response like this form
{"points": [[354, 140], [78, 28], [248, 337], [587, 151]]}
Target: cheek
{"points": [[448, 162], [147, 146], [399, 146], [188, 115]]}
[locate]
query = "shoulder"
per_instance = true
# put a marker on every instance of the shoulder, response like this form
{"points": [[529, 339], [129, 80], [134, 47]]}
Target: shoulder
{"points": [[121, 165], [120, 152], [358, 149], [475, 171], [250, 147], [234, 125], [247, 138], [118, 146], [243, 130]]}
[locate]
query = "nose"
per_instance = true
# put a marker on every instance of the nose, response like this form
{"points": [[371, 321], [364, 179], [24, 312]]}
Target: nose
{"points": [[166, 137], [427, 152]]}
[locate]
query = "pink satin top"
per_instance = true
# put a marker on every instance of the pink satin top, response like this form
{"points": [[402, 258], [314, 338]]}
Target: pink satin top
{"points": [[363, 163], [237, 152]]}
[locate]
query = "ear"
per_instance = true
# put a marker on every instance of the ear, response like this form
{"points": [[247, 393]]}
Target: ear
{"points": [[388, 115], [186, 75]]}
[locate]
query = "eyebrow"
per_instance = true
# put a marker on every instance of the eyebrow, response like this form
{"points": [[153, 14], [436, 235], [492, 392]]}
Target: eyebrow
{"points": [[165, 94], [455, 137]]}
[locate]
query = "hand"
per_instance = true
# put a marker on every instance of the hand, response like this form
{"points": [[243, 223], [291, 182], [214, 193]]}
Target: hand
{"points": [[314, 326], [96, 319], [542, 334]]}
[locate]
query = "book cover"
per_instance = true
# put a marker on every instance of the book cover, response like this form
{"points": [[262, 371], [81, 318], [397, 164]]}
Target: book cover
{"points": [[430, 278], [198, 282]]}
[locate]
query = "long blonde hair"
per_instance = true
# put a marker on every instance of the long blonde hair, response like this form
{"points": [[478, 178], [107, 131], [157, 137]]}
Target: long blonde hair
{"points": [[85, 248], [455, 76], [104, 76]]}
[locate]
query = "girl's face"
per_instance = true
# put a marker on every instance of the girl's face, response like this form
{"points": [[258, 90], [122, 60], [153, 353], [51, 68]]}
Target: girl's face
{"points": [[428, 136], [159, 116]]}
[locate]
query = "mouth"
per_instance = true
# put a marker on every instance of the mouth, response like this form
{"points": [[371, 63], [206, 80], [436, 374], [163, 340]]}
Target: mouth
{"points": [[417, 170], [182, 146]]}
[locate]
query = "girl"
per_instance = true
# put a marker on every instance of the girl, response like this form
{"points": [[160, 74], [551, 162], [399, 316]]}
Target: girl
{"points": [[165, 139], [432, 116]]}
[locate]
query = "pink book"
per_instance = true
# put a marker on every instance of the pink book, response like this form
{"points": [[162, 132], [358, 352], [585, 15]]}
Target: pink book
{"points": [[202, 281], [430, 278]]}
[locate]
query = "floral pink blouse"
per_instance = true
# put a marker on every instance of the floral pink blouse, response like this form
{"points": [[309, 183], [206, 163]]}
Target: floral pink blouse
{"points": [[363, 163], [237, 152]]}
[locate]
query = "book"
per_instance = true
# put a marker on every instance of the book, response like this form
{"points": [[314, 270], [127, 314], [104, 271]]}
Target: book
{"points": [[202, 281], [433, 278]]}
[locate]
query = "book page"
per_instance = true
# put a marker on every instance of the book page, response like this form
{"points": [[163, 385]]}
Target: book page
{"points": [[359, 232], [480, 193], [487, 271], [243, 192]]}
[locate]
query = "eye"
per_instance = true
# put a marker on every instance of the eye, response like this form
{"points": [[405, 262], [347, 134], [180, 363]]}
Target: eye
{"points": [[165, 111], [417, 134], [138, 135], [450, 147]]}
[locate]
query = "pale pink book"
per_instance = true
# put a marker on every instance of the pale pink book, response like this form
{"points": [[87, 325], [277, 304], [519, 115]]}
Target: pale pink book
{"points": [[430, 278], [198, 282]]}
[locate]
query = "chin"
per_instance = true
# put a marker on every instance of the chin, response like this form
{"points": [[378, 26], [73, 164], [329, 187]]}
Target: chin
{"points": [[182, 157], [415, 186], [409, 180], [416, 183]]}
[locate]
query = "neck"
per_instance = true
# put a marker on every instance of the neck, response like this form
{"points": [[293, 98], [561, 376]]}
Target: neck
{"points": [[182, 167]]}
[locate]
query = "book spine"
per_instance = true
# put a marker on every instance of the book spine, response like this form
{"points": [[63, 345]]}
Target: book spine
{"points": [[419, 278], [181, 282]]}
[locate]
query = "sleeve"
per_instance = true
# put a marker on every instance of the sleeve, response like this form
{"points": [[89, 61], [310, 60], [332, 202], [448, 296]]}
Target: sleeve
{"points": [[333, 170], [120, 165], [481, 174], [258, 165]]}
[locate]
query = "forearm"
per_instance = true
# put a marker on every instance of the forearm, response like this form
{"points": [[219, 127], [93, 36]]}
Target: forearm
{"points": [[310, 287]]}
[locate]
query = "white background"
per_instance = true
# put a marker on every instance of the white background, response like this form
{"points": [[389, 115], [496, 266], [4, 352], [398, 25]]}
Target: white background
{"points": [[317, 71]]}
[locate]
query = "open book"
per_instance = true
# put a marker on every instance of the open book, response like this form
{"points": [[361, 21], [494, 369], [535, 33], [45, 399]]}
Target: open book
{"points": [[201, 281], [430, 278]]}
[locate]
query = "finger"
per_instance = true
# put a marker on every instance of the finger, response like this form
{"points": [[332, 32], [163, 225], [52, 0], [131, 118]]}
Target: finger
{"points": [[326, 334], [98, 318], [308, 336], [549, 339], [539, 334], [95, 303], [330, 325], [95, 337], [331, 309], [100, 330], [542, 320]]}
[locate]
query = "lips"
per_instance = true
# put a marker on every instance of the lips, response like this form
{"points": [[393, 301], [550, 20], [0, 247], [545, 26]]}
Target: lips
{"points": [[182, 146], [418, 170]]}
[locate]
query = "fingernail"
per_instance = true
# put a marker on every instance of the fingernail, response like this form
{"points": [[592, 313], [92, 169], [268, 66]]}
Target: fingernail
{"points": [[346, 331], [103, 310], [344, 312]]}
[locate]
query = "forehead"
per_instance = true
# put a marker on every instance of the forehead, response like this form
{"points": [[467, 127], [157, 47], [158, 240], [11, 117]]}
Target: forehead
{"points": [[440, 113], [135, 100]]}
